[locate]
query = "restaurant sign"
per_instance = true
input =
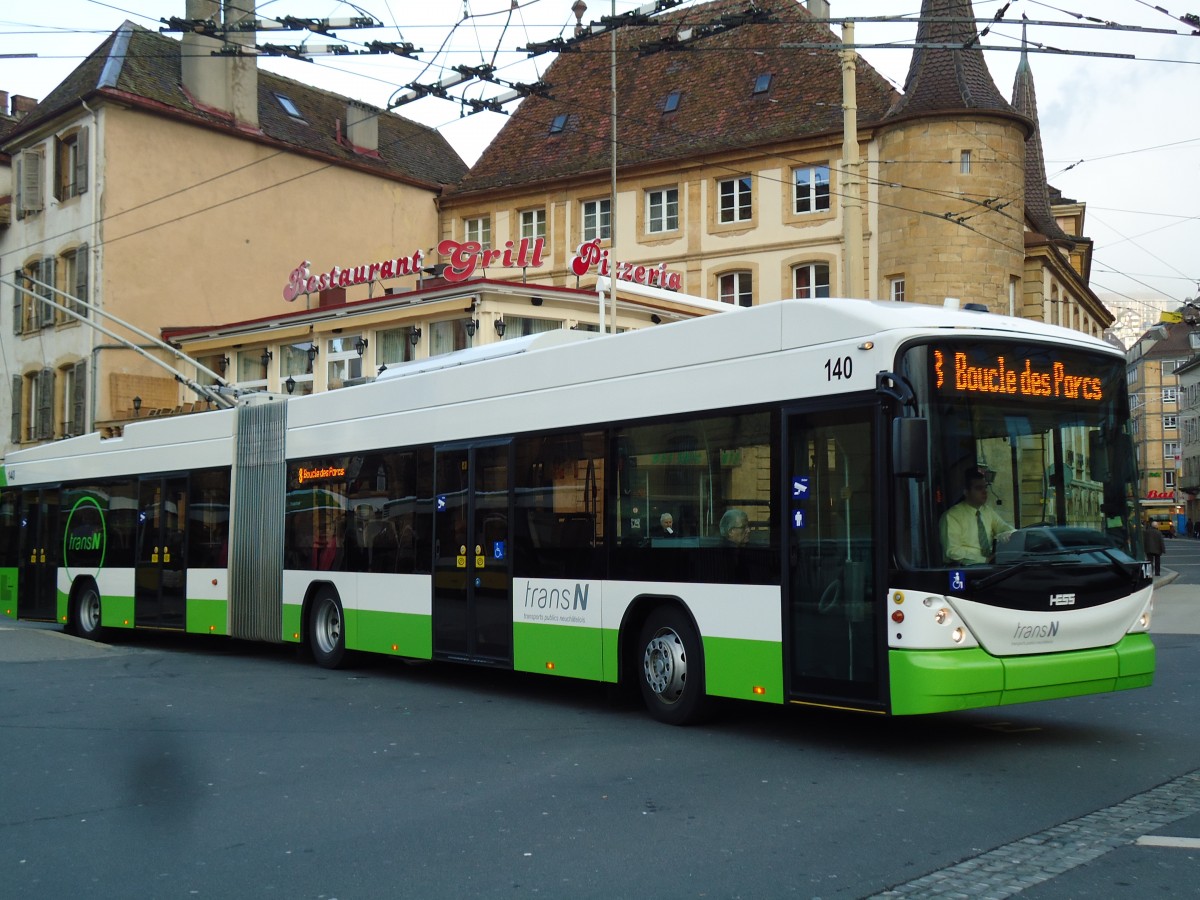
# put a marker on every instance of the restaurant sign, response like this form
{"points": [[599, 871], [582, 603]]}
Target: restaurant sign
{"points": [[465, 258]]}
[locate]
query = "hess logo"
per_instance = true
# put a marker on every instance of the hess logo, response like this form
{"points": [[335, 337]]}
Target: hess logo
{"points": [[1062, 599]]}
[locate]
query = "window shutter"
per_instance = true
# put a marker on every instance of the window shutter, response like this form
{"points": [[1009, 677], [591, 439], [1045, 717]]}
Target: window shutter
{"points": [[45, 410], [81, 279], [81, 161], [77, 425], [18, 180], [18, 301], [31, 181], [46, 315], [17, 385]]}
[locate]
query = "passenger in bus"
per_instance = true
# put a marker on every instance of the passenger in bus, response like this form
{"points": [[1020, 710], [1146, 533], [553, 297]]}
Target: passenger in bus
{"points": [[735, 528], [666, 526], [970, 528]]}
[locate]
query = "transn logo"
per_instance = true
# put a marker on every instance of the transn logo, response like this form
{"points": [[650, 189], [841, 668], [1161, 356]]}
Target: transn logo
{"points": [[1062, 599]]}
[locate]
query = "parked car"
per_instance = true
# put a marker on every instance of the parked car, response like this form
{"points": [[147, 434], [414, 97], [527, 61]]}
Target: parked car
{"points": [[1164, 522]]}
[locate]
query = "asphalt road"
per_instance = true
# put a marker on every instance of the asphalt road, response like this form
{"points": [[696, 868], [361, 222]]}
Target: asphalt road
{"points": [[201, 767]]}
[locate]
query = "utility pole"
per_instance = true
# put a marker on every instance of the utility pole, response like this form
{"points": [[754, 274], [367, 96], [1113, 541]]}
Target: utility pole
{"points": [[852, 222]]}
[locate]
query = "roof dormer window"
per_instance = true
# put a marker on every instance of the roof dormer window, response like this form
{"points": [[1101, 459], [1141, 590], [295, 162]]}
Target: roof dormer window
{"points": [[289, 106]]}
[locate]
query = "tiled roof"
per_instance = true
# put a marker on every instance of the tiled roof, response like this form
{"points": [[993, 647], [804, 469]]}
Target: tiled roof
{"points": [[149, 68], [941, 80], [1037, 196], [718, 109]]}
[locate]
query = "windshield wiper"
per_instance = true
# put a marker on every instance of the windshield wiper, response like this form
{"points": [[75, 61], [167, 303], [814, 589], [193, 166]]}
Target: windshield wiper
{"points": [[1005, 574]]}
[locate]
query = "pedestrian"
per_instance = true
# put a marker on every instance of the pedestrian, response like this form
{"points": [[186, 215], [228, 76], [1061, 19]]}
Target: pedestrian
{"points": [[1155, 546]]}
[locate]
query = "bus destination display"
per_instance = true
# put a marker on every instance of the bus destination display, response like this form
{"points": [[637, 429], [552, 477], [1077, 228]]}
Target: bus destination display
{"points": [[1007, 371]]}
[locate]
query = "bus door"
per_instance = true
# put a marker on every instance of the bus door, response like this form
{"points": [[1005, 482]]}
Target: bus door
{"points": [[41, 549], [472, 575], [159, 581], [831, 592]]}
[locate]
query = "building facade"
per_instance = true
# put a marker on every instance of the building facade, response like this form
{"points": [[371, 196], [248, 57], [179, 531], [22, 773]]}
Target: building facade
{"points": [[160, 185], [735, 164]]}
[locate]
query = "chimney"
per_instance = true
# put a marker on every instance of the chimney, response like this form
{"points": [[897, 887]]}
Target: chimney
{"points": [[226, 84], [22, 106], [818, 9], [362, 126]]}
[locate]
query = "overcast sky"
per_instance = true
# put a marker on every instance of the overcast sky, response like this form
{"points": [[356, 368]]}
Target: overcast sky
{"points": [[1121, 135]]}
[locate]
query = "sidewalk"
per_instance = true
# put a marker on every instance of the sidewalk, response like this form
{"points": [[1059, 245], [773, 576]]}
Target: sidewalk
{"points": [[1176, 606]]}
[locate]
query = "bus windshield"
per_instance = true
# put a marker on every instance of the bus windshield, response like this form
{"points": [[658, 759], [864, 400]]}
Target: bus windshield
{"points": [[1031, 458]]}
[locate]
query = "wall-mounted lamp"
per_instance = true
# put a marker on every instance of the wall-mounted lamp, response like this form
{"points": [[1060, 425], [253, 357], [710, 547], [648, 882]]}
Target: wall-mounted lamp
{"points": [[414, 336], [137, 406], [222, 363], [382, 369], [472, 324], [500, 326], [312, 352], [290, 384], [266, 357], [360, 345]]}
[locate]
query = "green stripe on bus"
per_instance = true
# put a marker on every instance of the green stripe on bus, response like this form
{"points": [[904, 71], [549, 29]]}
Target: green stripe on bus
{"points": [[558, 650], [927, 681], [207, 616], [116, 612], [397, 634], [738, 668], [63, 606], [8, 591], [291, 622]]}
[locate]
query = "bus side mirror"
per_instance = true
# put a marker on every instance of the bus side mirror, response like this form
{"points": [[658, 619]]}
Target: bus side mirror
{"points": [[1098, 467], [910, 447]]}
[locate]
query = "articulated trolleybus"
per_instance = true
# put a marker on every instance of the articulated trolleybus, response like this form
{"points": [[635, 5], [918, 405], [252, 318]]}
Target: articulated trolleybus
{"points": [[755, 504]]}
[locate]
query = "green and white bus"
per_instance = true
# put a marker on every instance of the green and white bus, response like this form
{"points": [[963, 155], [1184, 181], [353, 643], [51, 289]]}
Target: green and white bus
{"points": [[504, 507]]}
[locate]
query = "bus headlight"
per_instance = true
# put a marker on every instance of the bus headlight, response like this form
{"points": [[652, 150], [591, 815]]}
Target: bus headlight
{"points": [[958, 635], [941, 616]]}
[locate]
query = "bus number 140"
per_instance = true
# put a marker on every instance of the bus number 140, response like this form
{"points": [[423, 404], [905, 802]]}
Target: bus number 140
{"points": [[838, 369]]}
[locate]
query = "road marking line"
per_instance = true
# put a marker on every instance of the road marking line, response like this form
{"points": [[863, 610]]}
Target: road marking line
{"points": [[1151, 840]]}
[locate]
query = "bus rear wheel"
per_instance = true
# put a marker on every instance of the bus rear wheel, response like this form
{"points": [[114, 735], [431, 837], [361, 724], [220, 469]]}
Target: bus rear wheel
{"points": [[326, 630], [85, 614], [672, 668]]}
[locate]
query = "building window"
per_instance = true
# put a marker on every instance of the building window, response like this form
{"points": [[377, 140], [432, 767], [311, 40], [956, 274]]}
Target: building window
{"points": [[71, 405], [1169, 394], [1170, 365], [447, 336], [671, 103], [251, 370], [735, 200], [71, 164], [964, 162], [896, 289], [1169, 479], [1131, 374], [810, 280], [559, 123], [533, 223], [736, 288], [396, 345], [342, 360], [811, 189], [479, 230], [289, 106], [73, 280], [662, 210], [762, 83], [522, 326], [1170, 422], [596, 220], [36, 406], [296, 363], [1170, 450], [34, 281]]}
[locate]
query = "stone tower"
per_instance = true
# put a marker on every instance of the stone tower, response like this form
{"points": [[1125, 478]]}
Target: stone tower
{"points": [[952, 173]]}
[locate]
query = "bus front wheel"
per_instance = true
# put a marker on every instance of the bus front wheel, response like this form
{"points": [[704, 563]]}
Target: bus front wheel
{"points": [[672, 668], [85, 613], [326, 632]]}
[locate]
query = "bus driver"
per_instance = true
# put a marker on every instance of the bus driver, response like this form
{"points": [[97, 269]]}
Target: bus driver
{"points": [[970, 527]]}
